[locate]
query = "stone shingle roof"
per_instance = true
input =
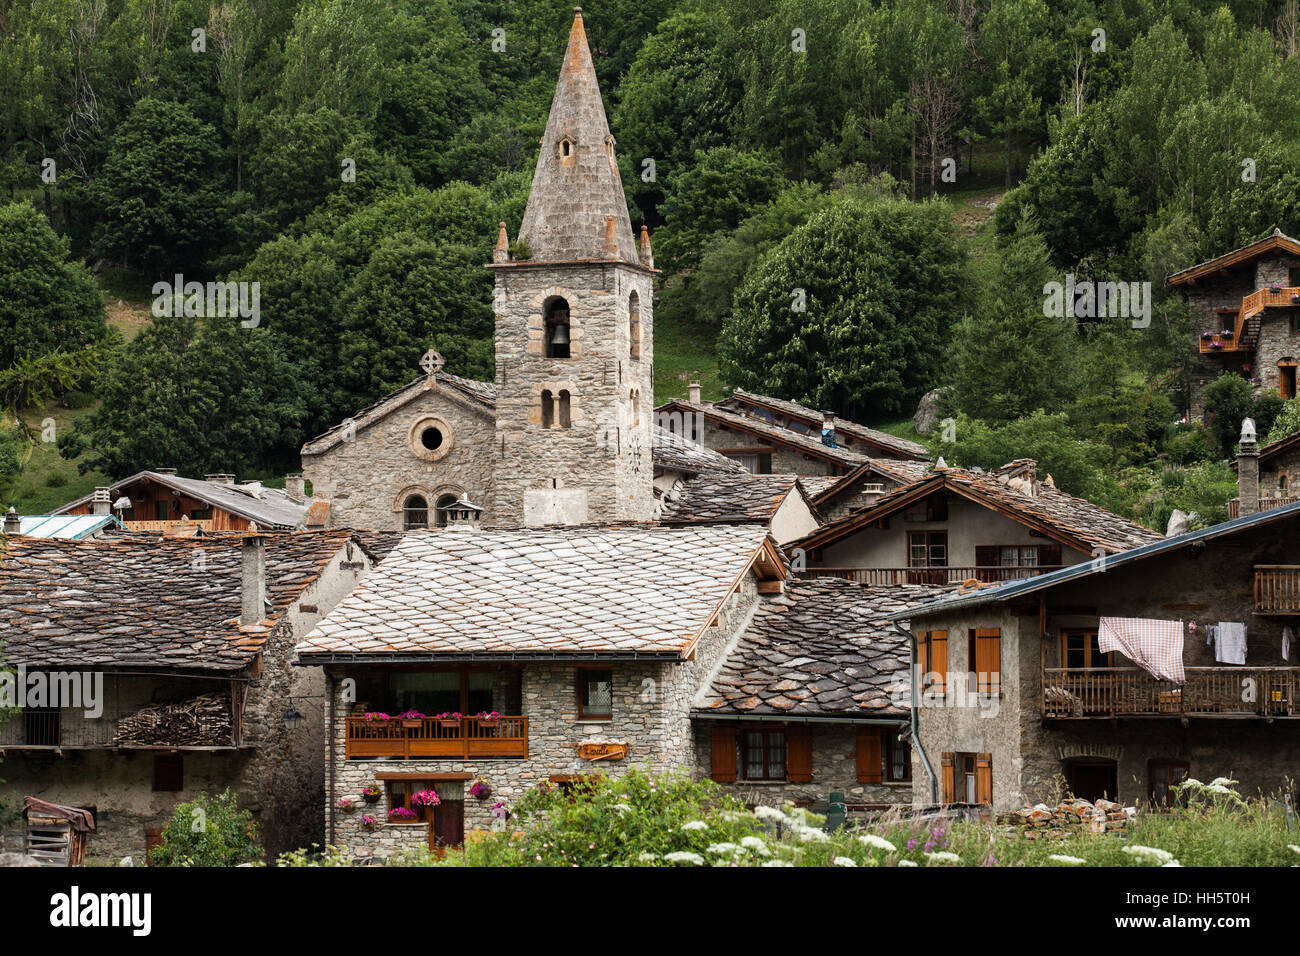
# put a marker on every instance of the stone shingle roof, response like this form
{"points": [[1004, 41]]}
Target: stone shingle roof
{"points": [[594, 590], [883, 440], [775, 433], [676, 453], [147, 601], [892, 469], [481, 395], [824, 648], [727, 497], [269, 507], [1277, 240], [1076, 521]]}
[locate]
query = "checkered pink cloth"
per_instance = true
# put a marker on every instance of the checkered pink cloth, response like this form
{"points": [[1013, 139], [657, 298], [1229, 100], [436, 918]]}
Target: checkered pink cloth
{"points": [[1155, 646]]}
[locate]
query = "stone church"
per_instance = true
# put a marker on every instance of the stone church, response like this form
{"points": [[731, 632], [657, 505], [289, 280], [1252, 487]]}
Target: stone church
{"points": [[564, 434]]}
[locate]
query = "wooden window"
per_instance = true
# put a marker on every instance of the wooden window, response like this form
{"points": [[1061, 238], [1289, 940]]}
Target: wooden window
{"points": [[1165, 775], [1081, 650], [723, 754], [985, 650], [415, 513], [160, 510], [882, 756], [927, 549], [932, 656], [595, 694], [1286, 379], [764, 752], [798, 741], [967, 778], [168, 772], [898, 758]]}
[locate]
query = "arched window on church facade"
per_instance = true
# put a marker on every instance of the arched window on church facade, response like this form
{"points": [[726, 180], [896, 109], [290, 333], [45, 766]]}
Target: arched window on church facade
{"points": [[548, 408], [440, 516], [564, 408], [634, 324], [415, 513], [556, 329]]}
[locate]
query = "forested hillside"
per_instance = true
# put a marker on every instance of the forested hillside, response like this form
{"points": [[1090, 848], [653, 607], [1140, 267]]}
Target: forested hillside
{"points": [[805, 168]]}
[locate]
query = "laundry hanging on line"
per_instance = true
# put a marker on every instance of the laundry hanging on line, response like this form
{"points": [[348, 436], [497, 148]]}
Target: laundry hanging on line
{"points": [[1230, 643], [1153, 645]]}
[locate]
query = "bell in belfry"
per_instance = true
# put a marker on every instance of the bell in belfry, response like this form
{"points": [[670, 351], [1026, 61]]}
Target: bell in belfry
{"points": [[561, 335]]}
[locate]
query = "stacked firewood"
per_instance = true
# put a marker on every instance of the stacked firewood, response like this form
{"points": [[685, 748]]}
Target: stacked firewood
{"points": [[1069, 816], [200, 722]]}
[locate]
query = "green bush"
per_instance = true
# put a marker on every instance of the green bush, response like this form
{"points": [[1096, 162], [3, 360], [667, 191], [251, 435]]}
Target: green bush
{"points": [[78, 399], [208, 831]]}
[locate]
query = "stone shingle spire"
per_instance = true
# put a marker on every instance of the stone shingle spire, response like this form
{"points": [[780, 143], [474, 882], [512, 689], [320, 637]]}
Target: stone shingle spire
{"points": [[576, 188]]}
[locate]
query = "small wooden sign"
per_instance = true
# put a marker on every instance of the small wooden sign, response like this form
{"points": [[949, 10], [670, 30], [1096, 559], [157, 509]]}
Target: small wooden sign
{"points": [[602, 751]]}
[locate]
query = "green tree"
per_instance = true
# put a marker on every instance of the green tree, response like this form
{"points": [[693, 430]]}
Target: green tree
{"points": [[851, 311], [48, 301]]}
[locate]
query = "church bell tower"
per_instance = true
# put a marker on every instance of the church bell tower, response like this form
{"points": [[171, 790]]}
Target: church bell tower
{"points": [[574, 328]]}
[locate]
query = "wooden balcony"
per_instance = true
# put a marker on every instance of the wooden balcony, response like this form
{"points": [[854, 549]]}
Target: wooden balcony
{"points": [[1109, 692], [463, 739], [1218, 343], [1265, 504], [933, 576], [1277, 589], [1245, 324], [204, 524]]}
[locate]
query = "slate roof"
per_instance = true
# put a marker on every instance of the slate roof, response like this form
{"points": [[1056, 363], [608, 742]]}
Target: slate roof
{"points": [[1076, 521], [824, 648], [728, 497], [269, 507], [482, 395], [1276, 240], [147, 601], [885, 440], [621, 591], [892, 469], [757, 426], [677, 453]]}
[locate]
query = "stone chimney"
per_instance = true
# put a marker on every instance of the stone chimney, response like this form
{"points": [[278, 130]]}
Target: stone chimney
{"points": [[693, 393], [828, 429], [252, 578], [220, 478], [13, 524], [1247, 470], [165, 471], [102, 502], [295, 487]]}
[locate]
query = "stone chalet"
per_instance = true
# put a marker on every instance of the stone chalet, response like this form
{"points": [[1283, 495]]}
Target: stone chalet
{"points": [[1245, 305], [1267, 477], [952, 524], [186, 645], [1017, 691], [165, 501]]}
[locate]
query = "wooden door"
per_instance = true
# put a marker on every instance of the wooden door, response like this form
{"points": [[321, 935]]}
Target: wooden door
{"points": [[447, 828]]}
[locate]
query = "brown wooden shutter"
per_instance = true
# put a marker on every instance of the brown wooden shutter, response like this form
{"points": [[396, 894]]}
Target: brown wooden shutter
{"points": [[949, 778], [798, 754], [870, 764], [984, 779], [1049, 555], [939, 659], [987, 556], [988, 659], [723, 763]]}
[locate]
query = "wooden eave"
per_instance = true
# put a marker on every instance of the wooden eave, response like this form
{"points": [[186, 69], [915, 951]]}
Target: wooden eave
{"points": [[1221, 265]]}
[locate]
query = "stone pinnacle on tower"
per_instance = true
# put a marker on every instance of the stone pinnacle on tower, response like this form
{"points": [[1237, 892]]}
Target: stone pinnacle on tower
{"points": [[576, 187]]}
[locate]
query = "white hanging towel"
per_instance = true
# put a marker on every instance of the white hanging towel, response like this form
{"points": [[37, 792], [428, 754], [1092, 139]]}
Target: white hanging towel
{"points": [[1286, 643], [1231, 645], [1153, 645]]}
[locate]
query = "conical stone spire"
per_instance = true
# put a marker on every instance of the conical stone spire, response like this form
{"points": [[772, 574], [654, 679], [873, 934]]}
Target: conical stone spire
{"points": [[576, 186]]}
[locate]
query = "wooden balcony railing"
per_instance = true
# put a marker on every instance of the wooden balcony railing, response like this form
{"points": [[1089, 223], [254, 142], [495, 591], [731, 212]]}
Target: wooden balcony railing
{"points": [[204, 524], [1251, 306], [1265, 504], [1091, 692], [468, 737], [1277, 588], [934, 576]]}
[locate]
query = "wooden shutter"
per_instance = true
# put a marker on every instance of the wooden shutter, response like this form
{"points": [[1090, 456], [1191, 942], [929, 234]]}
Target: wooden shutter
{"points": [[798, 754], [949, 778], [987, 644], [938, 663], [984, 779], [1049, 554], [723, 761], [987, 556], [870, 764]]}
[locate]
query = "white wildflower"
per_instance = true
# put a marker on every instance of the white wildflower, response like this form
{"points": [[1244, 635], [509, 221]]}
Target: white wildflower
{"points": [[695, 825], [844, 861], [943, 856], [1293, 848], [1067, 860], [647, 857], [722, 849], [907, 863], [1172, 863], [811, 834], [770, 814], [879, 843], [755, 845], [1148, 853], [684, 856], [777, 863]]}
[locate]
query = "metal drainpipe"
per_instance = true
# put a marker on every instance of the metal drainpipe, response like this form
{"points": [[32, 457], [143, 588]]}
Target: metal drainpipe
{"points": [[916, 726], [329, 742]]}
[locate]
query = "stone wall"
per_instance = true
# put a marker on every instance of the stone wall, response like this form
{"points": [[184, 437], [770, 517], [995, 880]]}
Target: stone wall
{"points": [[605, 453], [368, 479], [1279, 477], [785, 460]]}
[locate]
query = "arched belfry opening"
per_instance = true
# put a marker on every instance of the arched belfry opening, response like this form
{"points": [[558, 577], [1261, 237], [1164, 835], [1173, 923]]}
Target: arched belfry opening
{"points": [[634, 325], [556, 328]]}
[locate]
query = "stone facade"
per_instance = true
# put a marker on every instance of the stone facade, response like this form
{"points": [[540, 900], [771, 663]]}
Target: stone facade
{"points": [[784, 460], [1279, 474]]}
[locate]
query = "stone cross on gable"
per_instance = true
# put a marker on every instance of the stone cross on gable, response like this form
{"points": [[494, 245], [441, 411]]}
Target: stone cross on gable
{"points": [[432, 363]]}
